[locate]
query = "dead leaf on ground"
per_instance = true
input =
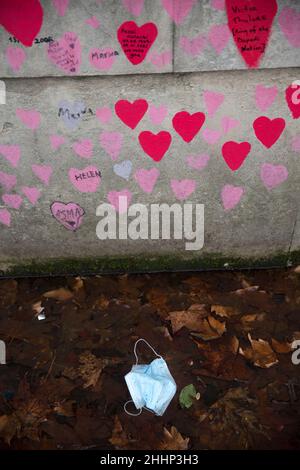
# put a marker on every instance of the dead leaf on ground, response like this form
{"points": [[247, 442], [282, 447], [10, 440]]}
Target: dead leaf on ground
{"points": [[190, 318], [119, 438], [224, 310], [281, 348], [60, 294], [209, 329], [173, 440], [260, 354]]}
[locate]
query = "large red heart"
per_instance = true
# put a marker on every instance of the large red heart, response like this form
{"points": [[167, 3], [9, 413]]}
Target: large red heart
{"points": [[234, 153], [188, 125], [136, 41], [155, 145], [268, 130], [250, 23], [131, 113], [292, 96], [22, 18]]}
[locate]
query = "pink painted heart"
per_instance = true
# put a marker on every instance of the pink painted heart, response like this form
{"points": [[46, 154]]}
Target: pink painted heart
{"points": [[15, 57], [265, 96], [295, 144], [104, 114], [5, 218], [219, 36], [135, 7], [198, 162], [32, 194], [229, 123], [211, 136], [160, 60], [178, 10], [65, 53], [112, 143], [29, 117], [157, 114], [183, 188], [86, 180], [212, 101], [83, 148], [289, 22], [120, 200], [218, 4], [102, 59], [273, 175], [70, 215], [43, 172], [93, 22], [146, 179], [12, 153], [7, 181], [60, 6], [56, 141], [231, 196], [193, 47], [12, 200]]}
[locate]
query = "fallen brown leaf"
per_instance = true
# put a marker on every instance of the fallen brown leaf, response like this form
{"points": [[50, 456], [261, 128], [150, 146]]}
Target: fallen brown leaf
{"points": [[173, 440], [119, 438], [60, 294], [190, 318], [260, 354], [281, 348], [224, 310]]}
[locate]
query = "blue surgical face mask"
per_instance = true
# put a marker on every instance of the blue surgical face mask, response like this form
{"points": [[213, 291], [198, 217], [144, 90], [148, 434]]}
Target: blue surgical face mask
{"points": [[151, 386]]}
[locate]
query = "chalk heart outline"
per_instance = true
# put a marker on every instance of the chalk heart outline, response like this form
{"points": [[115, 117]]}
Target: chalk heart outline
{"points": [[147, 179], [12, 153], [75, 214], [267, 130], [148, 30], [289, 22], [178, 10], [113, 198], [7, 180], [15, 57], [112, 143], [198, 162], [65, 53], [13, 201], [183, 188], [231, 196], [123, 169], [5, 217], [265, 96], [102, 63], [85, 185], [273, 175], [29, 117]]}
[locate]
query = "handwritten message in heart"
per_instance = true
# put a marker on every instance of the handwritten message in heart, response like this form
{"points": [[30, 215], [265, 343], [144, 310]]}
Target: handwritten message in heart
{"points": [[136, 41], [69, 215], [86, 180], [65, 53]]}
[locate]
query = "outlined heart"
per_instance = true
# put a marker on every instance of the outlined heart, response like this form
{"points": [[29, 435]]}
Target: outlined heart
{"points": [[268, 130], [234, 153], [188, 125], [155, 145], [131, 113], [251, 37], [22, 19], [136, 41], [292, 96], [69, 214]]}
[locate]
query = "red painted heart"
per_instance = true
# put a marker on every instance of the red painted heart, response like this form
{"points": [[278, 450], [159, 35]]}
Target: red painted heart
{"points": [[292, 96], [155, 145], [250, 23], [234, 153], [136, 41], [22, 18], [188, 125], [268, 130], [131, 113]]}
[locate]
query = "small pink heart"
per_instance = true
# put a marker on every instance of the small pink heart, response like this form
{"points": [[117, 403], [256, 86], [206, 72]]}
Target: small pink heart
{"points": [[60, 6], [211, 136], [157, 114], [218, 4], [69, 215], [86, 180], [30, 118], [7, 181], [104, 114], [219, 36], [15, 57], [273, 175], [83, 148], [193, 47], [5, 217], [93, 22], [56, 141], [183, 188], [146, 179], [43, 173], [178, 10], [32, 194], [231, 196], [160, 60], [198, 162], [120, 200], [264, 96], [112, 143], [212, 101], [12, 200], [229, 123], [102, 59], [289, 22], [65, 53], [12, 153], [295, 144], [135, 7]]}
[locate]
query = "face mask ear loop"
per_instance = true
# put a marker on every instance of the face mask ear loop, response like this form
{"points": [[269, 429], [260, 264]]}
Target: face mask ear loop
{"points": [[135, 346], [128, 412]]}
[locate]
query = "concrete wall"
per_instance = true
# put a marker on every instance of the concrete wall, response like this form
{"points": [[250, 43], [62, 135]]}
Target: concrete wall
{"points": [[251, 214]]}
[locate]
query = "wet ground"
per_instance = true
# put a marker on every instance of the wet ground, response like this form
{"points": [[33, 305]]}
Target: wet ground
{"points": [[226, 336]]}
